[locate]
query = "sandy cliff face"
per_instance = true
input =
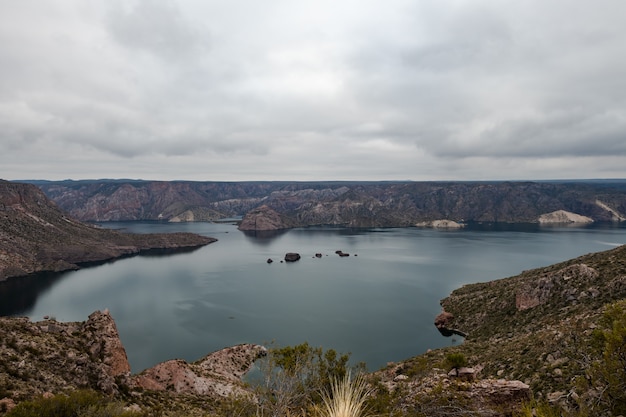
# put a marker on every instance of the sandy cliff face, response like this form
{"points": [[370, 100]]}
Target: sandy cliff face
{"points": [[562, 216]]}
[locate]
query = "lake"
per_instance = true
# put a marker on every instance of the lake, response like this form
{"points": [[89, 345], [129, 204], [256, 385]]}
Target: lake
{"points": [[379, 303]]}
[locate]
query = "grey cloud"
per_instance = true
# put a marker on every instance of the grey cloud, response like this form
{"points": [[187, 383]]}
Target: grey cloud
{"points": [[157, 27], [407, 90]]}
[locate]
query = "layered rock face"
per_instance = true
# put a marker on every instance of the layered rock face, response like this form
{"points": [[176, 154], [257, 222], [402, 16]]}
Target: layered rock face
{"points": [[36, 236], [279, 205]]}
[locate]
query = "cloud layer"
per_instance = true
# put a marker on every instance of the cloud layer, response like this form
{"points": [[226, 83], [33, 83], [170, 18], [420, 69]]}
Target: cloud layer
{"points": [[248, 90]]}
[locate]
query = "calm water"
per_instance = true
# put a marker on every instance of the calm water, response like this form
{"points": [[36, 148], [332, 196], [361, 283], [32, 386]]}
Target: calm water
{"points": [[379, 305]]}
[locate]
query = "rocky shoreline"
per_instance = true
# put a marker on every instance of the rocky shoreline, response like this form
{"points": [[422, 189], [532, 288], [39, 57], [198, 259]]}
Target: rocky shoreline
{"points": [[48, 357]]}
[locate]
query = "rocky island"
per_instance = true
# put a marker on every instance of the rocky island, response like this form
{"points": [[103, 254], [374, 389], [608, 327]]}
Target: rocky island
{"points": [[36, 236]]}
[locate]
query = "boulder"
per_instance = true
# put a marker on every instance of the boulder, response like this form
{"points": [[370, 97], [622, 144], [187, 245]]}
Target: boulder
{"points": [[292, 257], [463, 374]]}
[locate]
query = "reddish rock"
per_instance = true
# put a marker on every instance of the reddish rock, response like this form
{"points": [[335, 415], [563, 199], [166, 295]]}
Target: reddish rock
{"points": [[217, 374], [443, 320]]}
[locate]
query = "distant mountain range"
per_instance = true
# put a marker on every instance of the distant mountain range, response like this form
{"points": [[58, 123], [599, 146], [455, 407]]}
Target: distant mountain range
{"points": [[269, 205]]}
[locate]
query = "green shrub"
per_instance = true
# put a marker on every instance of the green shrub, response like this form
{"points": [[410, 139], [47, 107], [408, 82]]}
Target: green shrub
{"points": [[80, 403], [609, 371], [455, 361], [539, 409], [295, 376]]}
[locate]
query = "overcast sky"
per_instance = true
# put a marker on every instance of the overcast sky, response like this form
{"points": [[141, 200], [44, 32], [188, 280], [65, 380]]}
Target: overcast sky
{"points": [[312, 90]]}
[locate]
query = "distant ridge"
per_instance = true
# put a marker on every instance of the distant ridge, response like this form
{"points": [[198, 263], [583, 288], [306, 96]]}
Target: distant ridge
{"points": [[338, 203]]}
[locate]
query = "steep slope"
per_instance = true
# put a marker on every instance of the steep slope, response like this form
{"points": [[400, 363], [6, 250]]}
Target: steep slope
{"points": [[538, 326], [36, 236]]}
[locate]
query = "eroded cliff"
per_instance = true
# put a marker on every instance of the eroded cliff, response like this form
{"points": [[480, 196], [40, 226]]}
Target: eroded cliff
{"points": [[275, 205]]}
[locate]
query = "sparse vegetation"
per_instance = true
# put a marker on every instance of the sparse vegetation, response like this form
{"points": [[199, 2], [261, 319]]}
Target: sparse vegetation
{"points": [[454, 361], [80, 403], [294, 378]]}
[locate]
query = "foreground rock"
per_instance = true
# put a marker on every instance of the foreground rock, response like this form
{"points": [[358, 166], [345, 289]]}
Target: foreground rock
{"points": [[53, 357], [217, 374], [50, 356], [433, 392], [36, 236]]}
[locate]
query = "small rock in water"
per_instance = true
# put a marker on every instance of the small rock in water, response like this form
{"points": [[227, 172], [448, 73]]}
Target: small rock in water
{"points": [[292, 257]]}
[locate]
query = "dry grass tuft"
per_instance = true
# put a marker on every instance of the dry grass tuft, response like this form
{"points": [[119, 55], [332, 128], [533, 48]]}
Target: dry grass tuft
{"points": [[346, 398]]}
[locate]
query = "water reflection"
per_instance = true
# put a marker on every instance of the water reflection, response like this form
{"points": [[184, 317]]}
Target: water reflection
{"points": [[263, 237], [19, 295], [380, 305]]}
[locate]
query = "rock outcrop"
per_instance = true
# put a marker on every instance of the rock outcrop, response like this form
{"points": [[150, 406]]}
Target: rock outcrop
{"points": [[569, 282], [434, 393], [52, 357], [36, 236], [217, 374], [264, 218]]}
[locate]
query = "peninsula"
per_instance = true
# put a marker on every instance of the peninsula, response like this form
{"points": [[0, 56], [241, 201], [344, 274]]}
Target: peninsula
{"points": [[35, 236]]}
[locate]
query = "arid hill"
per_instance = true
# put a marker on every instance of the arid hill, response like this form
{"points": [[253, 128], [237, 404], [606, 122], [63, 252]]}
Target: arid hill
{"points": [[280, 205], [36, 236]]}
